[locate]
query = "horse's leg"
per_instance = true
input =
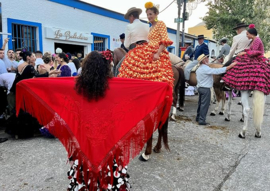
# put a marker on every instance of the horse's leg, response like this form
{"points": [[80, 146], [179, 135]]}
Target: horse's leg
{"points": [[229, 110], [222, 106], [162, 133], [246, 109], [175, 91], [213, 113], [181, 90], [158, 146], [146, 155], [258, 111], [175, 97]]}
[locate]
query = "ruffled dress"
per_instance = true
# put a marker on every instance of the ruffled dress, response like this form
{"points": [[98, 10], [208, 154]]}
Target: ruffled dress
{"points": [[139, 63], [252, 71]]}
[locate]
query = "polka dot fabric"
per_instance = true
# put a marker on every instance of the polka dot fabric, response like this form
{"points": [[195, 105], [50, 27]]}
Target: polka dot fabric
{"points": [[139, 63]]}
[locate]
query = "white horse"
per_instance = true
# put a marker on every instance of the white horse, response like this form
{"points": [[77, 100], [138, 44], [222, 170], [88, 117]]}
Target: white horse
{"points": [[258, 111]]}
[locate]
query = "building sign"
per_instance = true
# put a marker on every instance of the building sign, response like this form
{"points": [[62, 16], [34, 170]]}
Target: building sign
{"points": [[68, 35]]}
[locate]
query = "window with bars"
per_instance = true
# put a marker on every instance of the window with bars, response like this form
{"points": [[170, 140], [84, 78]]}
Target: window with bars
{"points": [[99, 43], [24, 36]]}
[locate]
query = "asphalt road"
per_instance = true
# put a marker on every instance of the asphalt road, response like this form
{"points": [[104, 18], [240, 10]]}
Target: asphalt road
{"points": [[203, 158]]}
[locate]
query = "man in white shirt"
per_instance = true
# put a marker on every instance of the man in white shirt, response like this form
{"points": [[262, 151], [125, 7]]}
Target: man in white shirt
{"points": [[204, 75], [9, 58], [18, 57], [136, 31], [3, 68], [39, 59], [7, 80], [240, 42]]}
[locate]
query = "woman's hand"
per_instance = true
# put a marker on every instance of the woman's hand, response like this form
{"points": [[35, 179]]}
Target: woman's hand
{"points": [[231, 65], [156, 57], [241, 53], [54, 73]]}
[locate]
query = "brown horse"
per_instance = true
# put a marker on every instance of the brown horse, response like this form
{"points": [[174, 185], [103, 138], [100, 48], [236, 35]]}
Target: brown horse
{"points": [[118, 54], [179, 81]]}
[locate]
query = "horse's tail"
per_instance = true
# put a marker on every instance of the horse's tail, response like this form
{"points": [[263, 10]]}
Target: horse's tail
{"points": [[258, 107], [164, 132]]}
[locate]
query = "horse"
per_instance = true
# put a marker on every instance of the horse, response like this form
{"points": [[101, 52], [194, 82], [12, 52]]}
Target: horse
{"points": [[218, 92], [258, 111], [118, 56]]}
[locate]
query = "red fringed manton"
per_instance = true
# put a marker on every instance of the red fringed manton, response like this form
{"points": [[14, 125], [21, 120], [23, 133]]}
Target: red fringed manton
{"points": [[96, 132]]}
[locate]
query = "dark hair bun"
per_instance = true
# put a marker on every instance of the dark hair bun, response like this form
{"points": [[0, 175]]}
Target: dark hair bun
{"points": [[47, 59], [24, 54]]}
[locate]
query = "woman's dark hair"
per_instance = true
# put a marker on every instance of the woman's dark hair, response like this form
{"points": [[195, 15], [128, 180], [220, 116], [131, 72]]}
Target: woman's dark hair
{"points": [[63, 56], [252, 31], [76, 63], [93, 81], [154, 9], [24, 55]]}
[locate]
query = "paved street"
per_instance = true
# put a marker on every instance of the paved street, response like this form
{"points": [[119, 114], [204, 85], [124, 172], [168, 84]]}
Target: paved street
{"points": [[202, 158]]}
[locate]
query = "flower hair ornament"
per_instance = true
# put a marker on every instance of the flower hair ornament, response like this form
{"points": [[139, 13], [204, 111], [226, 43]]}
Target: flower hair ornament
{"points": [[251, 26], [107, 55], [148, 5]]}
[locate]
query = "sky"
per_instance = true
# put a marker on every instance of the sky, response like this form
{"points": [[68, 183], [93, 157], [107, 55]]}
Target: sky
{"points": [[167, 15]]}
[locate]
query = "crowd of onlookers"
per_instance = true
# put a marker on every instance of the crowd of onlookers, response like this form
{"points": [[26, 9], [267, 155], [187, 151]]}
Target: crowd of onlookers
{"points": [[23, 64]]}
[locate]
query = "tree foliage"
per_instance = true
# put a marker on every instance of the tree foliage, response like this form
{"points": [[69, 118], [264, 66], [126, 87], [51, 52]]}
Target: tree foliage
{"points": [[223, 15]]}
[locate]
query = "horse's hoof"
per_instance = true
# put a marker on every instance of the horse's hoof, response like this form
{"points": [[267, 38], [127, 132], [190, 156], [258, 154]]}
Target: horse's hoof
{"points": [[226, 119], [258, 135], [144, 158], [242, 120], [181, 109], [221, 113], [156, 150], [173, 118], [241, 136], [212, 114]]}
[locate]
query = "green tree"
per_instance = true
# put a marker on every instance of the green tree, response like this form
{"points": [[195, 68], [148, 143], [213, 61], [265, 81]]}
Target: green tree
{"points": [[223, 15]]}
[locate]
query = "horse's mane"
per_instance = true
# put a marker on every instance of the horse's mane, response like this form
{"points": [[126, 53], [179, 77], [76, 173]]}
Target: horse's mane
{"points": [[121, 50]]}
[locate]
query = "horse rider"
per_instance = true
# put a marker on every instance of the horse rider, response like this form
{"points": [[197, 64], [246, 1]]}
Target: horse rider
{"points": [[122, 39], [225, 50], [188, 54], [136, 31], [202, 48], [240, 43]]}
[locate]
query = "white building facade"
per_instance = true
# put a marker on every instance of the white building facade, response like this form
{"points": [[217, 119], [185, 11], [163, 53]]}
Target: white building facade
{"points": [[69, 24]]}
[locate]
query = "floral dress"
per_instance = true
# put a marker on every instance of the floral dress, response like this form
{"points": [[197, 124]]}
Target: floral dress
{"points": [[252, 71], [139, 63]]}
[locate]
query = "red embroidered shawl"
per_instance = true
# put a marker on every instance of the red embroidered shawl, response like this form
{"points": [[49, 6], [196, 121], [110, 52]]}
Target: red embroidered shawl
{"points": [[96, 132]]}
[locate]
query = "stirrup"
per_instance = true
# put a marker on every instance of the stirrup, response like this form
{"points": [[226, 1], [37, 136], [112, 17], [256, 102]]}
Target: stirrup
{"points": [[226, 88]]}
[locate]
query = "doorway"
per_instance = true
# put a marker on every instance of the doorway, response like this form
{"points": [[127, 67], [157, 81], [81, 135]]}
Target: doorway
{"points": [[70, 48]]}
